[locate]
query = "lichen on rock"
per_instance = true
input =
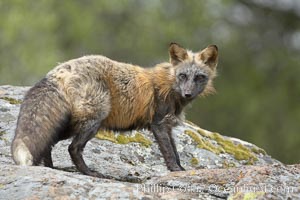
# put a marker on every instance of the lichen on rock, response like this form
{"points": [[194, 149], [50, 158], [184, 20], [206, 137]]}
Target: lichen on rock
{"points": [[194, 161], [247, 195], [123, 138], [218, 144], [2, 133], [203, 143], [11, 100]]}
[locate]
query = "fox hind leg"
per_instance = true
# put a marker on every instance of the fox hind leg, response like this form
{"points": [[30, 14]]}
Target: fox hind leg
{"points": [[90, 106], [86, 131], [48, 159]]}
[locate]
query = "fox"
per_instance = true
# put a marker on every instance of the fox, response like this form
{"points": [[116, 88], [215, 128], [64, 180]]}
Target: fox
{"points": [[82, 96]]}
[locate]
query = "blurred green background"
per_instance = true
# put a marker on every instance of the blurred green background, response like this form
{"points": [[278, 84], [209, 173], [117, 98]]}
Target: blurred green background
{"points": [[258, 97]]}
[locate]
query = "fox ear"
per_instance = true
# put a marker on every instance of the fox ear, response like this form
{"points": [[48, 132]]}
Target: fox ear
{"points": [[209, 56], [177, 53]]}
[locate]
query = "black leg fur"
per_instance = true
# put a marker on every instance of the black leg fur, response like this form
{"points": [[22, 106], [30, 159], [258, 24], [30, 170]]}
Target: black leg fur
{"points": [[161, 133], [48, 160], [87, 131], [175, 150]]}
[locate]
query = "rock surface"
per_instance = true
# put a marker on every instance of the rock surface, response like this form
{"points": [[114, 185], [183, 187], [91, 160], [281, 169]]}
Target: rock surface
{"points": [[218, 167]]}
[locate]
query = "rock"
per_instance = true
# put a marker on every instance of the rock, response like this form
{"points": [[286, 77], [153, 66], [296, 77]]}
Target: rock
{"points": [[217, 166]]}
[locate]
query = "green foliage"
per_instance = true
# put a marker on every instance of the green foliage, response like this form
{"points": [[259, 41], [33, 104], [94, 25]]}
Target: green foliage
{"points": [[28, 48], [258, 87]]}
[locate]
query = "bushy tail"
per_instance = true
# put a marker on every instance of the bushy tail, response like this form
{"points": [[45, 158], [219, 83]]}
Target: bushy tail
{"points": [[44, 115]]}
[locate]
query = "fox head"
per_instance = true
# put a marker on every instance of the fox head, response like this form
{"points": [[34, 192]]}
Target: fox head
{"points": [[194, 72]]}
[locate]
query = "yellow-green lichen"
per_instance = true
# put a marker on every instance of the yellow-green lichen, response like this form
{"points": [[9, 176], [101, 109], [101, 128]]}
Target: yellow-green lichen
{"points": [[123, 139], [253, 195], [11, 100], [258, 150], [204, 133], [239, 151], [247, 196], [194, 161], [202, 143], [1, 134], [228, 164], [106, 135]]}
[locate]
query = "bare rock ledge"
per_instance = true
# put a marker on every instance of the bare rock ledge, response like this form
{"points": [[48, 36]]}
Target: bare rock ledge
{"points": [[218, 167]]}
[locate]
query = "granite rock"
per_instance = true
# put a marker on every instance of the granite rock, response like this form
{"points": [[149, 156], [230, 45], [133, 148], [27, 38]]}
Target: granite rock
{"points": [[217, 166]]}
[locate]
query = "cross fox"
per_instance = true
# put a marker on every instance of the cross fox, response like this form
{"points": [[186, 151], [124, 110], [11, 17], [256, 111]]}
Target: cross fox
{"points": [[84, 95]]}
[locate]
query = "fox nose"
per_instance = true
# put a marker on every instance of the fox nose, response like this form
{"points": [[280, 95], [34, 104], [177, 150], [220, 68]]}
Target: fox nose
{"points": [[188, 95]]}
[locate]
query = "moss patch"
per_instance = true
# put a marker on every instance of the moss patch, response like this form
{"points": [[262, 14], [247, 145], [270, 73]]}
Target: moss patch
{"points": [[247, 196], [258, 151], [1, 134], [223, 145], [194, 161], [203, 143], [228, 164], [253, 195], [106, 135], [239, 151], [11, 100], [203, 133], [123, 139]]}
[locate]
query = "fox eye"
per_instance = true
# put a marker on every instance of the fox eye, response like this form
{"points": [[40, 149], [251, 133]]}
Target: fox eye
{"points": [[200, 77], [182, 76]]}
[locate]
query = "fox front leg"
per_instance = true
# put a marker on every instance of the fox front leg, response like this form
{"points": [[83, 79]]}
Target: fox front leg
{"points": [[163, 135]]}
